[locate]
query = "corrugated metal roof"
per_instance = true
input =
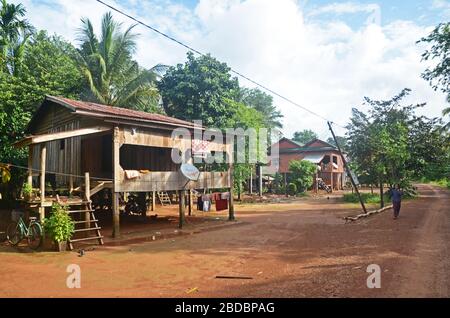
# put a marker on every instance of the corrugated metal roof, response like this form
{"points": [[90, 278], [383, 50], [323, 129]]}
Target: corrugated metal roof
{"points": [[116, 111], [314, 158]]}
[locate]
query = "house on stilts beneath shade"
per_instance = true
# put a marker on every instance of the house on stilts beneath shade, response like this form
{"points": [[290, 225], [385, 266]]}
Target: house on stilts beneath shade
{"points": [[326, 156], [85, 148]]}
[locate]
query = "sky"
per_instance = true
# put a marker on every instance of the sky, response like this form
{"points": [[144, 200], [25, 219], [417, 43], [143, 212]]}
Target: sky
{"points": [[324, 55]]}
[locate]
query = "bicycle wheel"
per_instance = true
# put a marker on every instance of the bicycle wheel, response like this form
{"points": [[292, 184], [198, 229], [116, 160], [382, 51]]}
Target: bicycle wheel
{"points": [[34, 236], [13, 233]]}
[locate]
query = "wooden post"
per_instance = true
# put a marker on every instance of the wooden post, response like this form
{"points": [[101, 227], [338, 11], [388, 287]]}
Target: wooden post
{"points": [[251, 181], [285, 184], [116, 194], [182, 207], [260, 180], [332, 181], [42, 183], [153, 200], [190, 202], [30, 166], [116, 214], [316, 184], [70, 184], [231, 216], [87, 195]]}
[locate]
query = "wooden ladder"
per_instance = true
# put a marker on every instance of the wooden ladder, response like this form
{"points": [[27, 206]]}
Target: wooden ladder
{"points": [[90, 225], [164, 198]]}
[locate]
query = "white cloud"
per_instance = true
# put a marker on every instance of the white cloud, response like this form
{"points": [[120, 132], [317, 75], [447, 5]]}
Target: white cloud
{"points": [[327, 66], [443, 6]]}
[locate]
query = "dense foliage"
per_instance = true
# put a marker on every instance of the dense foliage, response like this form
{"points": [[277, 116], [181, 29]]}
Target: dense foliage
{"points": [[390, 144], [304, 136], [301, 174], [439, 75], [59, 225]]}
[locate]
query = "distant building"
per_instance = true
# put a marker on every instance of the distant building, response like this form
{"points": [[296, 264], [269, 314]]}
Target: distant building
{"points": [[319, 152]]}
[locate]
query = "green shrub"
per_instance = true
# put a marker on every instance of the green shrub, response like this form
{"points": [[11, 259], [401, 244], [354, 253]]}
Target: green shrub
{"points": [[27, 190], [301, 173], [59, 226], [292, 189]]}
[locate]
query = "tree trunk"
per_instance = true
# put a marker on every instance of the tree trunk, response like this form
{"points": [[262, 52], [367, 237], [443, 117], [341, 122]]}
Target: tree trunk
{"points": [[381, 195]]}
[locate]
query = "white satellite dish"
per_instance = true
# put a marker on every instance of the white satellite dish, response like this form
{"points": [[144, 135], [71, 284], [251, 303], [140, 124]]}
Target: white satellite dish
{"points": [[190, 171]]}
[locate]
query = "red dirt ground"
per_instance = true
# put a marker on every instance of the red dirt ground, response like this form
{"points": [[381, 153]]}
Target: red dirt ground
{"points": [[300, 249]]}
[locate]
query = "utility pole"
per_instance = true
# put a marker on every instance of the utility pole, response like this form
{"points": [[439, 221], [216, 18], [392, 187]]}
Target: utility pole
{"points": [[347, 169]]}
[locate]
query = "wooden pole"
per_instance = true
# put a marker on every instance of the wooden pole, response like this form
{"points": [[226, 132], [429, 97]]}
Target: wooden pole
{"points": [[42, 183], [332, 181], [260, 182], [116, 194], [251, 181], [153, 200], [70, 184], [285, 184], [87, 194], [190, 202], [116, 214], [231, 216], [316, 184], [30, 166], [182, 207], [348, 169]]}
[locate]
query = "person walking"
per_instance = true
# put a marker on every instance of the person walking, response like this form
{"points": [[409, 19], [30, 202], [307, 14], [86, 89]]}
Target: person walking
{"points": [[396, 195]]}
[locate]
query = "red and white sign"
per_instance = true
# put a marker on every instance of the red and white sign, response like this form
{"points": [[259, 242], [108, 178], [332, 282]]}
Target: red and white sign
{"points": [[200, 148]]}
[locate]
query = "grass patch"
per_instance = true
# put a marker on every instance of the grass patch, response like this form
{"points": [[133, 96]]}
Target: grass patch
{"points": [[367, 198], [443, 183]]}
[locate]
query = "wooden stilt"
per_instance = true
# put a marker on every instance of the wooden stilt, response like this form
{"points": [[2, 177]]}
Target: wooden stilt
{"points": [[231, 216], [251, 181], [116, 215], [70, 185], [182, 207], [285, 184], [116, 194], [332, 183], [42, 181], [190, 203], [87, 196], [153, 200], [260, 180], [30, 166]]}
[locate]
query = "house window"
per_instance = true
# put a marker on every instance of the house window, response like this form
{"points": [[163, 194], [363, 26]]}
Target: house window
{"points": [[335, 159]]}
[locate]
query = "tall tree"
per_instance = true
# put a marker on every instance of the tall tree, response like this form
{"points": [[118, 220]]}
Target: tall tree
{"points": [[439, 75], [263, 103], [380, 141], [46, 69], [304, 136], [111, 75], [199, 89], [14, 34], [341, 140]]}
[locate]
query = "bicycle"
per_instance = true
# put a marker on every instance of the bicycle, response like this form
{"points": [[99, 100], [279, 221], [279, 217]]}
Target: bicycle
{"points": [[17, 231]]}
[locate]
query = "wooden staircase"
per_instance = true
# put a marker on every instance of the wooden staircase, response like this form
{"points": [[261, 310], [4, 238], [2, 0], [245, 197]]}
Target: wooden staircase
{"points": [[86, 225], [164, 198]]}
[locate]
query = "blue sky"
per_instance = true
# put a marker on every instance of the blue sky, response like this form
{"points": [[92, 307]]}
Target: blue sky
{"points": [[325, 55]]}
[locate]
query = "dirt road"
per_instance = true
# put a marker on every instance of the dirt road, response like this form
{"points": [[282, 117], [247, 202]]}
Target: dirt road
{"points": [[290, 250]]}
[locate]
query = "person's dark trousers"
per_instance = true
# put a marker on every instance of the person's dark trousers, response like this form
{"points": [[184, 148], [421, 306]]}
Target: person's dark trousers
{"points": [[397, 206]]}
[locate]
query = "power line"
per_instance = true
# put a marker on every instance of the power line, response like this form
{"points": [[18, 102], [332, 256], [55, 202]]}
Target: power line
{"points": [[202, 54]]}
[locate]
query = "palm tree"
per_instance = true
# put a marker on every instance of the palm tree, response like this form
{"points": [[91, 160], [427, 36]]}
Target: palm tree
{"points": [[112, 76], [14, 34]]}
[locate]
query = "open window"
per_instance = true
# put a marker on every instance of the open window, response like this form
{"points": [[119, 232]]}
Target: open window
{"points": [[134, 157]]}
